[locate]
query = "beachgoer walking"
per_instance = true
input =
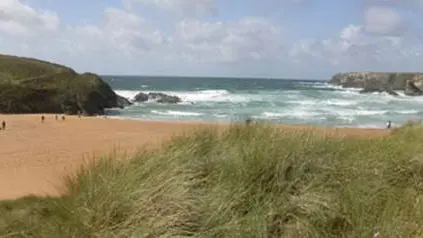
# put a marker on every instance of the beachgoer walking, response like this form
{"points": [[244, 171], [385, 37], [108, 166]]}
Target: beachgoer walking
{"points": [[63, 118], [79, 114], [42, 118], [56, 117], [388, 125], [3, 125]]}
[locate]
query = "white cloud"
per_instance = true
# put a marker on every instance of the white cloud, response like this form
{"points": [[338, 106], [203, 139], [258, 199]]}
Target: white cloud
{"points": [[351, 33], [416, 4], [181, 7], [249, 38], [382, 20], [354, 49], [19, 19], [125, 42], [120, 32], [193, 40]]}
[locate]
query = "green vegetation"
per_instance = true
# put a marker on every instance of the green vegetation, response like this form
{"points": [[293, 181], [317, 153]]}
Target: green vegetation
{"points": [[35, 86], [20, 68], [245, 181]]}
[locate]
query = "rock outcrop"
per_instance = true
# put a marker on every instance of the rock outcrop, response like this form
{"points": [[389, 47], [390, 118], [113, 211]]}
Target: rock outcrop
{"points": [[412, 89], [410, 83], [158, 97], [390, 92], [35, 86], [123, 102]]}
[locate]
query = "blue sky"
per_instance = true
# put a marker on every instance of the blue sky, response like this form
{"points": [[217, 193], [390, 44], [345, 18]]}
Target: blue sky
{"points": [[253, 38]]}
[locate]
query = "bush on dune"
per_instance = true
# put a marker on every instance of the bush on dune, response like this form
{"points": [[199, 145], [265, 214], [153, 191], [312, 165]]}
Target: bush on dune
{"points": [[243, 181]]}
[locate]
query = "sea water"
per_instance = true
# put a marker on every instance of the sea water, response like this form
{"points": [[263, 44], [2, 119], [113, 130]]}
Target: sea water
{"points": [[288, 101]]}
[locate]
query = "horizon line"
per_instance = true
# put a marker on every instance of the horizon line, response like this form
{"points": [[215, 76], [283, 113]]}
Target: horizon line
{"points": [[211, 77]]}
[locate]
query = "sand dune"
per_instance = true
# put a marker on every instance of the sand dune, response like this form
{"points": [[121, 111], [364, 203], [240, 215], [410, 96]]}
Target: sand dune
{"points": [[34, 155]]}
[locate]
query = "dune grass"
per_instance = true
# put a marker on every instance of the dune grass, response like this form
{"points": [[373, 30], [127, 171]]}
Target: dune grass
{"points": [[245, 181]]}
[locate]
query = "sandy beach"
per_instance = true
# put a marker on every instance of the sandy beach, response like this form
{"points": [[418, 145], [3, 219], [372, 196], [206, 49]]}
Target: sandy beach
{"points": [[34, 155]]}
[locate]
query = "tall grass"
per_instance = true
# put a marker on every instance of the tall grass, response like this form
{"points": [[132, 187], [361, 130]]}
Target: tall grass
{"points": [[244, 181]]}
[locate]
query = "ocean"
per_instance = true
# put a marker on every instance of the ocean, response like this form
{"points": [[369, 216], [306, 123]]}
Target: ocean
{"points": [[287, 101]]}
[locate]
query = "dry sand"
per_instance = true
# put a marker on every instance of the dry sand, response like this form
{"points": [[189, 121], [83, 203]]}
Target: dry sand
{"points": [[34, 156]]}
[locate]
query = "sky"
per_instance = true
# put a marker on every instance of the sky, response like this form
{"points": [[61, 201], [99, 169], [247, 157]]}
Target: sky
{"points": [[311, 39]]}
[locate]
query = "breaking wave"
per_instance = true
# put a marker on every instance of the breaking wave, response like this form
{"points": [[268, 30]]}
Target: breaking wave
{"points": [[315, 104]]}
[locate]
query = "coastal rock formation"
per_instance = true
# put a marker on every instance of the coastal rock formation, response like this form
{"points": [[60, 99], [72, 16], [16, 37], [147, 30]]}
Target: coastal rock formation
{"points": [[123, 102], [412, 89], [159, 97], [410, 83], [390, 92], [34, 86]]}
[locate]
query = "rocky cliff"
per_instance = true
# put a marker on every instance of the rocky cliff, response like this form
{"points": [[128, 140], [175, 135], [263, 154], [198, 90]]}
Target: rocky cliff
{"points": [[35, 86], [411, 83]]}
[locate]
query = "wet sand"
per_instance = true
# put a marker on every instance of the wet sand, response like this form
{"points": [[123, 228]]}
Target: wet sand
{"points": [[34, 156]]}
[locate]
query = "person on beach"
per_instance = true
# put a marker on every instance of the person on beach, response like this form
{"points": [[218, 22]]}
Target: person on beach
{"points": [[57, 117], [248, 121], [63, 118], [79, 114], [42, 118], [3, 125], [388, 125]]}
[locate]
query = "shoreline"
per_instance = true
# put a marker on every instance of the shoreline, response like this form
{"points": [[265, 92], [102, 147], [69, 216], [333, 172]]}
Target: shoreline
{"points": [[226, 122], [34, 156]]}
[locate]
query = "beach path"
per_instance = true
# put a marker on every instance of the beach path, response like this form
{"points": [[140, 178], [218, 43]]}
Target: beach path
{"points": [[34, 156]]}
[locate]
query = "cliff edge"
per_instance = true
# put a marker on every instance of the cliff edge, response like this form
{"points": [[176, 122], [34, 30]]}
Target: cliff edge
{"points": [[410, 83], [34, 86]]}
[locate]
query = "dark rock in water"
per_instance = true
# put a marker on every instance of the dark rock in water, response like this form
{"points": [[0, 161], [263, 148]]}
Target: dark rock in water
{"points": [[411, 83], [390, 92], [164, 98], [159, 97], [366, 90], [123, 102], [412, 90], [141, 97], [34, 86], [393, 93]]}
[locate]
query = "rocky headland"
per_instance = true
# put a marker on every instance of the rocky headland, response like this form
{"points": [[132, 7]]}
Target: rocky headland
{"points": [[369, 82], [33, 86]]}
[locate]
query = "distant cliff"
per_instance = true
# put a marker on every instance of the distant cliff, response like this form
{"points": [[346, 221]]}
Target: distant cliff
{"points": [[410, 83]]}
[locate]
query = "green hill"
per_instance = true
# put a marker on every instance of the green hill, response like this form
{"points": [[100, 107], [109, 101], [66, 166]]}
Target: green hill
{"points": [[35, 86]]}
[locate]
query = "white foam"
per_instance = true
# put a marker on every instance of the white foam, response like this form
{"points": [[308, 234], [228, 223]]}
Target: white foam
{"points": [[210, 96], [194, 96], [324, 85], [340, 102], [361, 112], [311, 113], [220, 115], [128, 94], [176, 113], [407, 112], [295, 113]]}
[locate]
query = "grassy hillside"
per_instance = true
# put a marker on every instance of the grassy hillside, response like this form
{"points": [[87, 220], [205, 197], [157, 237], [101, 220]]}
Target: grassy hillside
{"points": [[19, 68], [246, 181]]}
